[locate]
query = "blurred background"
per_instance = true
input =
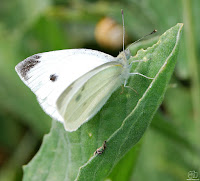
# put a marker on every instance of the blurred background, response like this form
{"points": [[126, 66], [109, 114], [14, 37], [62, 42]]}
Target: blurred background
{"points": [[171, 146]]}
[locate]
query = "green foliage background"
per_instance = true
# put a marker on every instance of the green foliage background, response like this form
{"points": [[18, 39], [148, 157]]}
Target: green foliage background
{"points": [[169, 148]]}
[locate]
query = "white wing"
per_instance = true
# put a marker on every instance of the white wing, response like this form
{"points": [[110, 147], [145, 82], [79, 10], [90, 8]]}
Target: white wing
{"points": [[82, 100], [49, 74]]}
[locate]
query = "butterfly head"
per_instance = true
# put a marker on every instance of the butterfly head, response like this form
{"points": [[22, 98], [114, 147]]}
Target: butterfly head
{"points": [[123, 57]]}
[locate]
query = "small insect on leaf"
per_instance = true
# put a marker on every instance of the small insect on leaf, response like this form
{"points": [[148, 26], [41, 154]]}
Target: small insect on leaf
{"points": [[100, 150]]}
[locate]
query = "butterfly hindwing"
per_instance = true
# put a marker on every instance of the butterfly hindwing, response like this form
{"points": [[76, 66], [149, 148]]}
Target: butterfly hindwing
{"points": [[88, 99]]}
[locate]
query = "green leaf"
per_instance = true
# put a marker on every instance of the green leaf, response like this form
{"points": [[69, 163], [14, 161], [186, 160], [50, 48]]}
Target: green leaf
{"points": [[125, 167], [178, 136], [160, 157], [18, 15], [122, 122]]}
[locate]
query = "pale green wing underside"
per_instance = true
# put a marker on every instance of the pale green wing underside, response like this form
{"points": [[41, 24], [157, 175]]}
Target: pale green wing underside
{"points": [[90, 97]]}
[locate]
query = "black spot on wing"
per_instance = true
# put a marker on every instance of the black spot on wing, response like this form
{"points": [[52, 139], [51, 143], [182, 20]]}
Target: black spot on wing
{"points": [[53, 77], [25, 66], [36, 56]]}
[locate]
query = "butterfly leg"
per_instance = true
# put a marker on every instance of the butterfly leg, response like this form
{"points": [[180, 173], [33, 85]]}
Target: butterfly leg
{"points": [[136, 73], [125, 82], [143, 60], [122, 90]]}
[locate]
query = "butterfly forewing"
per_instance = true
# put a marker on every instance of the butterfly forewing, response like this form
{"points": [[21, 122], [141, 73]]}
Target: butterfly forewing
{"points": [[49, 74]]}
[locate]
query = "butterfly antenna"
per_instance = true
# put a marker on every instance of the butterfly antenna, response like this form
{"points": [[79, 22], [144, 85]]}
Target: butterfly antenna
{"points": [[154, 31], [123, 27]]}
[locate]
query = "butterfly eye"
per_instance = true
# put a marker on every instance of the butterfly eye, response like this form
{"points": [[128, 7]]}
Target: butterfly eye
{"points": [[53, 77], [127, 53]]}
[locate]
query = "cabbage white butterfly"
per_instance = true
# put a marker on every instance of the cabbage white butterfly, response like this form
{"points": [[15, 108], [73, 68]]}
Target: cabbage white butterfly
{"points": [[72, 85]]}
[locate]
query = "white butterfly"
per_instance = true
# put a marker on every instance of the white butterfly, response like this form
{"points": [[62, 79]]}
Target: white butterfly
{"points": [[72, 85]]}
